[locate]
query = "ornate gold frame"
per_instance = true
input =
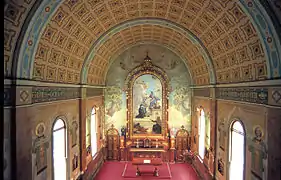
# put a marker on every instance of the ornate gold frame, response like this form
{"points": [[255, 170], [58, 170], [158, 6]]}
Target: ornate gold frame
{"points": [[147, 68]]}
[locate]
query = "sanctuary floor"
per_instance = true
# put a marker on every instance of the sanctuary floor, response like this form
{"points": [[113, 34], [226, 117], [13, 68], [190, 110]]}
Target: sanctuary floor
{"points": [[115, 170]]}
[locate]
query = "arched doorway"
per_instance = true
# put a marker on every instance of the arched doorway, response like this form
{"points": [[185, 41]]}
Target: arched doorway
{"points": [[93, 133], [236, 151], [59, 142]]}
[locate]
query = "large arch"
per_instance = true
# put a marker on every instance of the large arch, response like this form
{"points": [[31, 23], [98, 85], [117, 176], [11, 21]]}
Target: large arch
{"points": [[252, 13], [107, 40]]}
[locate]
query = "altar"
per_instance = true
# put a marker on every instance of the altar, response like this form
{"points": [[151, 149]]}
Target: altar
{"points": [[147, 156], [149, 153]]}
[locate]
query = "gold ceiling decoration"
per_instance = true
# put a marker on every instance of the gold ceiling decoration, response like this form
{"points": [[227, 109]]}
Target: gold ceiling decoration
{"points": [[221, 25]]}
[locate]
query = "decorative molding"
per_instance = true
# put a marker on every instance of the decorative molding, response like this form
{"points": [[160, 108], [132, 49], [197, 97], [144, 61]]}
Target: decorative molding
{"points": [[205, 92], [257, 95], [94, 92], [274, 94], [47, 94]]}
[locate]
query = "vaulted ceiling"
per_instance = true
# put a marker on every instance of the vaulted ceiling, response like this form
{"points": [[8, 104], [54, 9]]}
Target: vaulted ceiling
{"points": [[75, 41]]}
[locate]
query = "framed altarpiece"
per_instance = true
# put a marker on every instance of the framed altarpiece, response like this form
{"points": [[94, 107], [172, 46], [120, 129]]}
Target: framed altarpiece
{"points": [[147, 91]]}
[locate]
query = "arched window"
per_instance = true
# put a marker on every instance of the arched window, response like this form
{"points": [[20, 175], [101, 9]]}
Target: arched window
{"points": [[59, 150], [93, 133], [202, 133], [236, 151]]}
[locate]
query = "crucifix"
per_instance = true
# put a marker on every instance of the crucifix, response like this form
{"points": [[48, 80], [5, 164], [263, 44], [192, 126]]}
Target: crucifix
{"points": [[137, 143]]}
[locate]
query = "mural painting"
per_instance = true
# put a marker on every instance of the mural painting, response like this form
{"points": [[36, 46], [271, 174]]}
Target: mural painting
{"points": [[147, 105], [74, 133], [258, 153], [115, 108], [75, 162], [179, 80], [222, 135], [179, 103], [40, 150]]}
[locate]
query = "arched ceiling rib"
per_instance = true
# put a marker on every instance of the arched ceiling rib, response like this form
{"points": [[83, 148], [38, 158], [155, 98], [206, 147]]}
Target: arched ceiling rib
{"points": [[225, 30]]}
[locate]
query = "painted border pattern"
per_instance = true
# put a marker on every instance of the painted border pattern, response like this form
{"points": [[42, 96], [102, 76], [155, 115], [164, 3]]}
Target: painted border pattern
{"points": [[47, 94], [258, 95]]}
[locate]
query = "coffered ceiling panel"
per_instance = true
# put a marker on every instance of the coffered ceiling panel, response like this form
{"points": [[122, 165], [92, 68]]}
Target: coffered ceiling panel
{"points": [[224, 29]]}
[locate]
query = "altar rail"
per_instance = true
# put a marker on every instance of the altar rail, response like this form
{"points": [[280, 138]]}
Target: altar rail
{"points": [[201, 169], [94, 166]]}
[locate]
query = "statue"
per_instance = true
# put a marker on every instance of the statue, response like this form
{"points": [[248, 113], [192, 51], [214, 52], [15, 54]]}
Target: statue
{"points": [[259, 153]]}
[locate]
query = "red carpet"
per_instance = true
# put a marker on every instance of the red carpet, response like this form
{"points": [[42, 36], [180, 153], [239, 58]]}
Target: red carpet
{"points": [[114, 171], [163, 171]]}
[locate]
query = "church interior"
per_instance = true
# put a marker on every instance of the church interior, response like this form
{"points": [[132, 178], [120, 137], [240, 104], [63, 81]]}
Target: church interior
{"points": [[142, 89]]}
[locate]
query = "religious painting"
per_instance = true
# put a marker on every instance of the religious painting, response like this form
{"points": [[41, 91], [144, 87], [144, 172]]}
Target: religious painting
{"points": [[41, 157], [221, 166], [179, 106], [75, 162], [222, 135], [115, 107], [147, 105], [74, 133], [258, 151]]}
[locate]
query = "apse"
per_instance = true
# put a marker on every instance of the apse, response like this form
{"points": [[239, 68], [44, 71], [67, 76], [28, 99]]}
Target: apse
{"points": [[162, 57]]}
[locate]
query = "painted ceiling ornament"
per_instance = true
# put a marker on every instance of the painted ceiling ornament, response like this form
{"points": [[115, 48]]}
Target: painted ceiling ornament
{"points": [[40, 129]]}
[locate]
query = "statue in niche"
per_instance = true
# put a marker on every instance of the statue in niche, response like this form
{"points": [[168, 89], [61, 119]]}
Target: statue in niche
{"points": [[258, 154], [74, 133]]}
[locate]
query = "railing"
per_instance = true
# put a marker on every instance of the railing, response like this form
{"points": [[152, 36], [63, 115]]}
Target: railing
{"points": [[94, 166]]}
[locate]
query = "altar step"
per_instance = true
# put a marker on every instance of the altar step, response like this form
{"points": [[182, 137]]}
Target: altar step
{"points": [[114, 170]]}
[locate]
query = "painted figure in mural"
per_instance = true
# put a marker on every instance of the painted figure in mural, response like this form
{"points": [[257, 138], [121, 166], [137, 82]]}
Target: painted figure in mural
{"points": [[222, 135], [123, 131], [41, 157], [259, 153], [74, 133], [156, 128], [138, 129], [142, 111], [154, 101]]}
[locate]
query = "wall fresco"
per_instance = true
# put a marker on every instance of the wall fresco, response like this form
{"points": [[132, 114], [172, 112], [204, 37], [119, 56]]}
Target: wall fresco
{"points": [[179, 97]]}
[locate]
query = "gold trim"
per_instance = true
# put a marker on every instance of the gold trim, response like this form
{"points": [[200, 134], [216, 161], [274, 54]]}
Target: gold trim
{"points": [[146, 150]]}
